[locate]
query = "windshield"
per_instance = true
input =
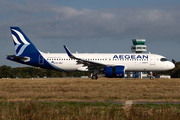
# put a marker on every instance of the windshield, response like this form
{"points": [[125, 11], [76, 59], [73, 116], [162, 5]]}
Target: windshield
{"points": [[163, 59]]}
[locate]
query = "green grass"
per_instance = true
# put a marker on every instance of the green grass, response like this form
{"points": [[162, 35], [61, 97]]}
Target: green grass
{"points": [[86, 111], [157, 106]]}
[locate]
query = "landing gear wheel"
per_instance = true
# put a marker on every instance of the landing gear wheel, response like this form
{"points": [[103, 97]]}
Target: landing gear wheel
{"points": [[94, 77], [151, 76]]}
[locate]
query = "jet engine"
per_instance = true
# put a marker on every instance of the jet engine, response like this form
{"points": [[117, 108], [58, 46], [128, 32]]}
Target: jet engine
{"points": [[114, 71]]}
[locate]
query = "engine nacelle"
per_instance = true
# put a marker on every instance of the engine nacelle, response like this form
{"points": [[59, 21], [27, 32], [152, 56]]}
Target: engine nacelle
{"points": [[114, 71]]}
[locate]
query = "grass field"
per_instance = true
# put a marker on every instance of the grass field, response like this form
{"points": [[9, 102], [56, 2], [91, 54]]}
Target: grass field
{"points": [[103, 89], [86, 111]]}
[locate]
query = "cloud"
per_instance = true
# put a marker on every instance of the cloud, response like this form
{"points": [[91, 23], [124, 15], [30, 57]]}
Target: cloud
{"points": [[49, 21]]}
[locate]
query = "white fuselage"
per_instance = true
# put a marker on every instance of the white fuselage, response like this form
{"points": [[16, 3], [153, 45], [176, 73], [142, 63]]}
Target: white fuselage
{"points": [[132, 62]]}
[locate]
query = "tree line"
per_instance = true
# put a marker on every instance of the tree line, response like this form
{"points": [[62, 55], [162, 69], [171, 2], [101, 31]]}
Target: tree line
{"points": [[33, 72]]}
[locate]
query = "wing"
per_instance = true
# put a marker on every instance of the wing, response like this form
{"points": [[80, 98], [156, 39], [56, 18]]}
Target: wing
{"points": [[90, 64], [112, 70]]}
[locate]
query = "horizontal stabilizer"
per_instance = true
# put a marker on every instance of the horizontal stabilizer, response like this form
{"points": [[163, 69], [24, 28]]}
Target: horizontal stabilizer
{"points": [[25, 59]]}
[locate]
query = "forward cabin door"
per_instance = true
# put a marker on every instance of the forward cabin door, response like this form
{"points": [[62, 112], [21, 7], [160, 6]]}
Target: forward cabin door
{"points": [[152, 62]]}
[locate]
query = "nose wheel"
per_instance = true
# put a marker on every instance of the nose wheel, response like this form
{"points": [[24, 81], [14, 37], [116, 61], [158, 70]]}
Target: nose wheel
{"points": [[151, 76]]}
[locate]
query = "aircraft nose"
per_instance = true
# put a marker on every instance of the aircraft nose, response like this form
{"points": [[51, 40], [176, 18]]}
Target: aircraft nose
{"points": [[171, 66]]}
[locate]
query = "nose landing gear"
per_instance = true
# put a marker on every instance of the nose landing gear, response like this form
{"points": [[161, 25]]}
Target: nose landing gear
{"points": [[151, 76]]}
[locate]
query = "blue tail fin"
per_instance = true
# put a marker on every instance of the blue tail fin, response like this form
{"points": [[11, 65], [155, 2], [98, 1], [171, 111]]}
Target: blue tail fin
{"points": [[26, 52], [22, 44]]}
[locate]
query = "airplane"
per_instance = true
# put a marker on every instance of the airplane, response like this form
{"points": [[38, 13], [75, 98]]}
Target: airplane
{"points": [[112, 64]]}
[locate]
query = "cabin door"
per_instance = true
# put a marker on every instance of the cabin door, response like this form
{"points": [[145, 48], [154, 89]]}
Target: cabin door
{"points": [[41, 60], [152, 62]]}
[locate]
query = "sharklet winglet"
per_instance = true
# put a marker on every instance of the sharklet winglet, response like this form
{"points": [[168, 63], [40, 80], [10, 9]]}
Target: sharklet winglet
{"points": [[68, 52]]}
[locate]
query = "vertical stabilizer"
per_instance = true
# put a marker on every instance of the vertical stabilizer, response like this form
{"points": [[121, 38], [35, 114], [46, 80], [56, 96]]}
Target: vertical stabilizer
{"points": [[26, 52], [22, 44]]}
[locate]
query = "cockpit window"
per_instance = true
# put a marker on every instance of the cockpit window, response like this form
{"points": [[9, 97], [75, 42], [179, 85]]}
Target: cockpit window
{"points": [[163, 59]]}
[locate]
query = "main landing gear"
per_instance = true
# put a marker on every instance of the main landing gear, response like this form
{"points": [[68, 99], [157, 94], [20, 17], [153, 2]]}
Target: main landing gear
{"points": [[94, 76]]}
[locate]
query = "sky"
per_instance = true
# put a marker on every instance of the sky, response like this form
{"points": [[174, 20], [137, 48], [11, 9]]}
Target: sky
{"points": [[92, 26]]}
